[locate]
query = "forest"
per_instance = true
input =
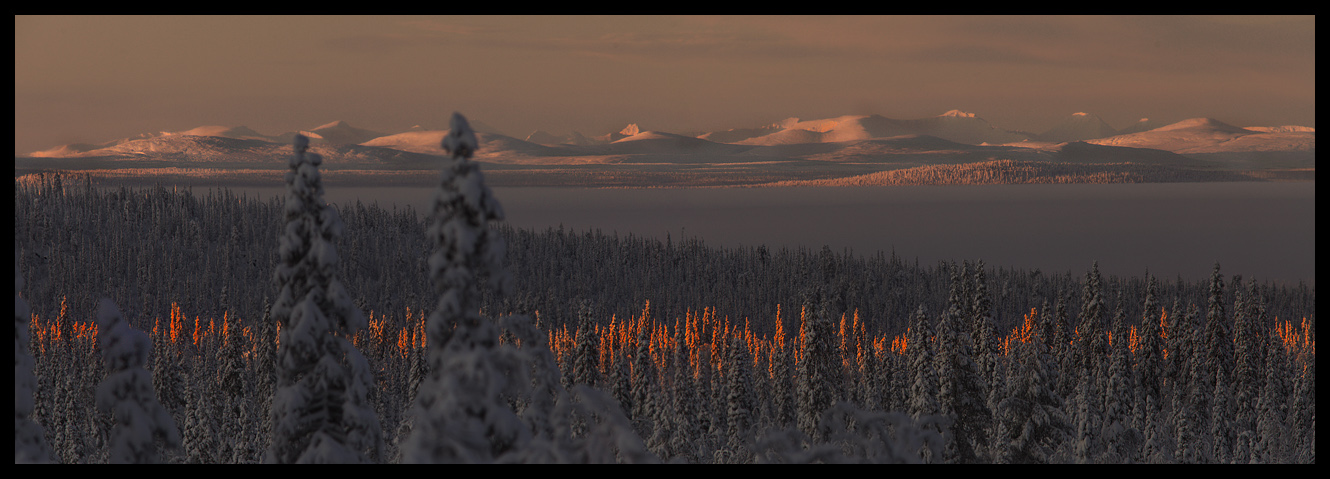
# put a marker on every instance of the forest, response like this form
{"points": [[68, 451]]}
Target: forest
{"points": [[157, 325]]}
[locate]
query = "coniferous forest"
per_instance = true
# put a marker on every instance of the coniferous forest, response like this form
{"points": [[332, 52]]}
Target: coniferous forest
{"points": [[165, 325]]}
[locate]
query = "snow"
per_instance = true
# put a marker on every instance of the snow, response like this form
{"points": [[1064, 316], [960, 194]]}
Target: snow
{"points": [[1207, 135]]}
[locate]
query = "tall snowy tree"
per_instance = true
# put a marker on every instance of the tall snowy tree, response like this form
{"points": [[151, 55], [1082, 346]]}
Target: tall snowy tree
{"points": [[1030, 424], [1249, 346], [1192, 406], [643, 377], [924, 384], [984, 336], [738, 402], [684, 404], [782, 400], [1149, 356], [29, 436], [1272, 407], [315, 419], [815, 379], [584, 356], [1122, 440], [1219, 366], [460, 412], [126, 392], [961, 386]]}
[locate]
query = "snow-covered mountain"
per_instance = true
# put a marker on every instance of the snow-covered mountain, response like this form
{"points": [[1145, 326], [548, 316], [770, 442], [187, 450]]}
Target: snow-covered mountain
{"points": [[1078, 126], [1207, 135], [954, 125], [341, 133], [952, 136], [1143, 124]]}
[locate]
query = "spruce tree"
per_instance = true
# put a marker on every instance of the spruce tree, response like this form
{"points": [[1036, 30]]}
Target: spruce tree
{"points": [[1149, 358], [961, 387], [739, 402], [643, 378], [984, 337], [782, 398], [817, 361], [584, 356], [924, 383], [1122, 440], [126, 392], [683, 405], [1272, 407], [1219, 365], [1249, 372], [460, 414], [1030, 424], [314, 417]]}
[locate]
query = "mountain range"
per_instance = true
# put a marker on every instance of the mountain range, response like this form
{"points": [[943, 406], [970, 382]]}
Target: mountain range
{"points": [[950, 138]]}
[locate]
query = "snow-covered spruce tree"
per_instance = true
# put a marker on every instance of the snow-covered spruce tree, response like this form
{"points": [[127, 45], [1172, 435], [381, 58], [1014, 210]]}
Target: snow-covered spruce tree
{"points": [[584, 357], [460, 414], [782, 404], [984, 337], [643, 384], [1030, 424], [319, 412], [1121, 439], [1272, 406], [29, 436], [924, 383], [961, 387], [739, 402], [1249, 348], [1191, 405], [684, 404], [813, 389], [127, 393], [200, 433], [1219, 366], [1149, 356], [265, 377]]}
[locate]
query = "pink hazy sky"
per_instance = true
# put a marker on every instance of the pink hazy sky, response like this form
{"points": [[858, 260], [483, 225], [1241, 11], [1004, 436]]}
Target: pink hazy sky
{"points": [[96, 78]]}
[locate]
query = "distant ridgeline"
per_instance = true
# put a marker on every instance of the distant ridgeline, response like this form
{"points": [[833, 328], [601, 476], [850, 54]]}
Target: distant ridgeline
{"points": [[1010, 172], [701, 346]]}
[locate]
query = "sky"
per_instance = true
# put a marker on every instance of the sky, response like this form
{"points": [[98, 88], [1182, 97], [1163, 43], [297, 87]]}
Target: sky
{"points": [[92, 79]]}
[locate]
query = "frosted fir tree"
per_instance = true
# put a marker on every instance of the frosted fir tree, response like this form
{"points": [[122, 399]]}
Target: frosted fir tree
{"points": [[29, 437], [1219, 366], [961, 386], [200, 434], [739, 402], [1249, 349], [1121, 439], [814, 382], [983, 336], [1149, 357], [126, 392], [1272, 407], [642, 388], [584, 357], [318, 412], [782, 405], [1030, 424], [684, 405], [460, 413], [924, 383], [1192, 404]]}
